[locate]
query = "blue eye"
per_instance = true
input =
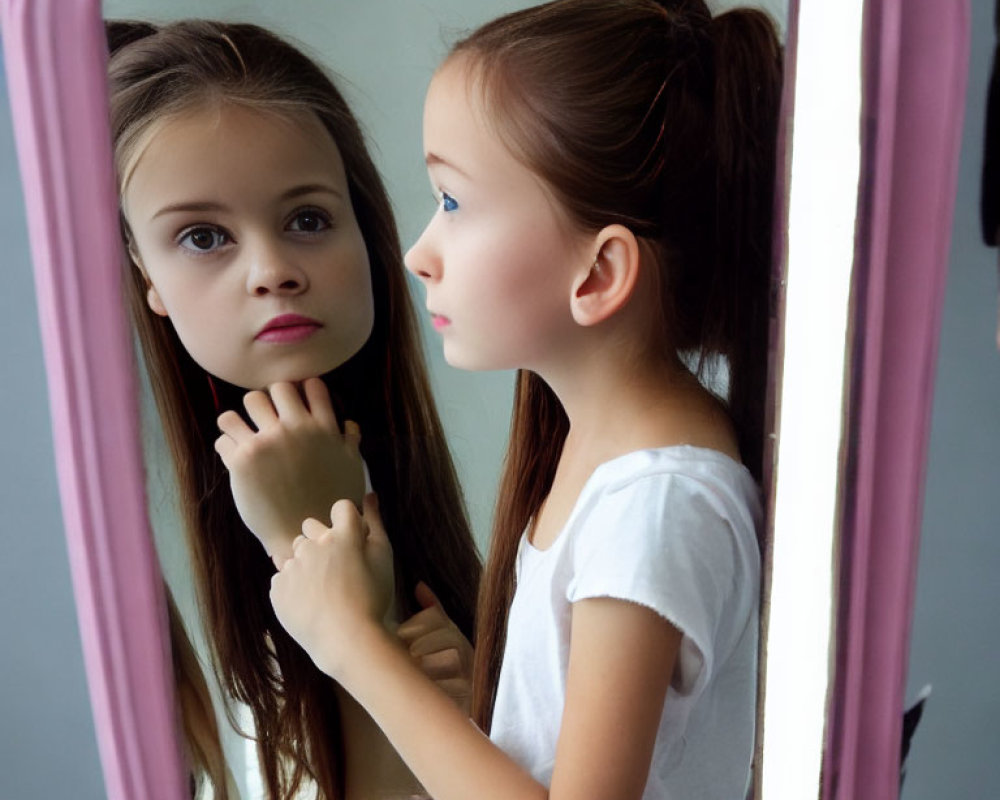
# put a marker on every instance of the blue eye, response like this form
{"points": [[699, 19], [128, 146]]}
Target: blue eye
{"points": [[448, 203], [203, 239]]}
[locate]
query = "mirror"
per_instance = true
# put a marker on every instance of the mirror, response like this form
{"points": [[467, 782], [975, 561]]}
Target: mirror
{"points": [[119, 702]]}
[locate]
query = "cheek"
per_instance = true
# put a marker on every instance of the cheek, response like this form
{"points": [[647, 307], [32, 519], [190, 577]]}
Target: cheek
{"points": [[346, 288]]}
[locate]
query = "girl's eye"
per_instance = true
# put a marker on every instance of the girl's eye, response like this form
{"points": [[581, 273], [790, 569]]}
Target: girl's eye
{"points": [[203, 239], [309, 221], [448, 203]]}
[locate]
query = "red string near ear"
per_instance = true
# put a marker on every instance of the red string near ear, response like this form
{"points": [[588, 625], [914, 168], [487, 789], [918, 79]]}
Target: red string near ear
{"points": [[215, 394]]}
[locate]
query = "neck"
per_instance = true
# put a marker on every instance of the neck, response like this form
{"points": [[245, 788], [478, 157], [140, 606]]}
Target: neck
{"points": [[610, 392]]}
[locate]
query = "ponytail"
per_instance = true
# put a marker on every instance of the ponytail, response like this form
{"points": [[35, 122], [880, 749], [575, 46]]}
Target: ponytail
{"points": [[748, 74], [673, 136]]}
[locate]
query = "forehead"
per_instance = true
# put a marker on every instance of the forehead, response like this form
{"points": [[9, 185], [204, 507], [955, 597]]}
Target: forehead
{"points": [[460, 129], [199, 148], [455, 111], [463, 132]]}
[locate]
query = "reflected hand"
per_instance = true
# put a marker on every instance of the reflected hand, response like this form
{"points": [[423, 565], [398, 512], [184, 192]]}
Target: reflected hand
{"points": [[294, 466], [338, 581], [439, 648]]}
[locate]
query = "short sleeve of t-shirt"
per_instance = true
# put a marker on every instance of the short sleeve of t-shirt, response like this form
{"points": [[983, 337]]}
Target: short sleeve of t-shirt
{"points": [[666, 541]]}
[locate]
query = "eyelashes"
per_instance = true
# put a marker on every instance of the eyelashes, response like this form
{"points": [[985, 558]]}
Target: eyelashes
{"points": [[444, 200], [200, 239], [309, 220], [204, 239]]}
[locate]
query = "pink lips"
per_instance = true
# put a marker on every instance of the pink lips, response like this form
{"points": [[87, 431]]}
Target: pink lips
{"points": [[439, 322], [288, 328]]}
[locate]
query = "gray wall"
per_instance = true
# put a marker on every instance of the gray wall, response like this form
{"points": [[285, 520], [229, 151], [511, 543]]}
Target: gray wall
{"points": [[47, 743], [956, 632]]}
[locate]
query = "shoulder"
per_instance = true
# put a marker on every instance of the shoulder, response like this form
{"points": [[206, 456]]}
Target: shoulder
{"points": [[677, 489], [657, 512], [675, 531]]}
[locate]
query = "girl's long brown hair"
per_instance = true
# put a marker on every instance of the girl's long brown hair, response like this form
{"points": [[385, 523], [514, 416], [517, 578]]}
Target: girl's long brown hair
{"points": [[157, 72], [655, 116]]}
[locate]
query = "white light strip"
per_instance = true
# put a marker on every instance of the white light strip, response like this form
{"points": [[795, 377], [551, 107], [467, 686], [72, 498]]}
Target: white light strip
{"points": [[822, 207]]}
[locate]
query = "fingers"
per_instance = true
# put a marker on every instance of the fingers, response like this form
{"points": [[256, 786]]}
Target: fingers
{"points": [[234, 433], [373, 517], [311, 529], [279, 563], [318, 399], [288, 403], [260, 409], [442, 640], [457, 688], [283, 401], [298, 541], [348, 523], [441, 664], [422, 623], [232, 425], [225, 447]]}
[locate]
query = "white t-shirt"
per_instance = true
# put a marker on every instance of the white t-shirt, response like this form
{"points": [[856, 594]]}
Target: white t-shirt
{"points": [[674, 529]]}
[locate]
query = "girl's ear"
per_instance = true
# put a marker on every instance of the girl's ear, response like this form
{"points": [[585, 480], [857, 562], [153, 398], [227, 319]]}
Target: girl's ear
{"points": [[154, 302], [152, 296], [608, 285]]}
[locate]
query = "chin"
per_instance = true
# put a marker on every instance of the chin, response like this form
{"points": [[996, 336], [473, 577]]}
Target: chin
{"points": [[286, 374]]}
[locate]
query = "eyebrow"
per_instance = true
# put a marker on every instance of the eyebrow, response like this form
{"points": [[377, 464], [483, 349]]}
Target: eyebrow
{"points": [[433, 159], [291, 194]]}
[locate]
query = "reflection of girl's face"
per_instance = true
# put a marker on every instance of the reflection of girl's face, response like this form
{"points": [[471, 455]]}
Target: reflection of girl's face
{"points": [[243, 225]]}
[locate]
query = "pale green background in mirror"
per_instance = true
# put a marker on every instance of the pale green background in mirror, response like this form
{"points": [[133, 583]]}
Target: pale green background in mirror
{"points": [[384, 53]]}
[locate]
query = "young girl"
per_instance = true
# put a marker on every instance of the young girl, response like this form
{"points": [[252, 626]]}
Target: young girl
{"points": [[262, 252], [604, 170]]}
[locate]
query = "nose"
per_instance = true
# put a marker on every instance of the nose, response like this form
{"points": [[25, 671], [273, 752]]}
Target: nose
{"points": [[273, 270], [422, 259]]}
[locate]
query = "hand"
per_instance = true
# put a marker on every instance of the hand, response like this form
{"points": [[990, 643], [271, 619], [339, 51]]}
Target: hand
{"points": [[294, 466], [439, 648], [338, 582]]}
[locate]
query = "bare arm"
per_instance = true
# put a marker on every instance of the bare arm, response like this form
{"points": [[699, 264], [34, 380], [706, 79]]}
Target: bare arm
{"points": [[621, 660]]}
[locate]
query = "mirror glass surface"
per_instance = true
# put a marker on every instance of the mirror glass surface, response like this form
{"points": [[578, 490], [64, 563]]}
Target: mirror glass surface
{"points": [[387, 94], [382, 55]]}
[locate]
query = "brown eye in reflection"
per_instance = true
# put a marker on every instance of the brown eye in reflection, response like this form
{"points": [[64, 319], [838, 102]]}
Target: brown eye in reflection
{"points": [[309, 221], [203, 239]]}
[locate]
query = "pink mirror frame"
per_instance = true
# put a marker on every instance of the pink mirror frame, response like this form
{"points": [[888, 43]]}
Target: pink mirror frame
{"points": [[55, 56], [915, 68]]}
